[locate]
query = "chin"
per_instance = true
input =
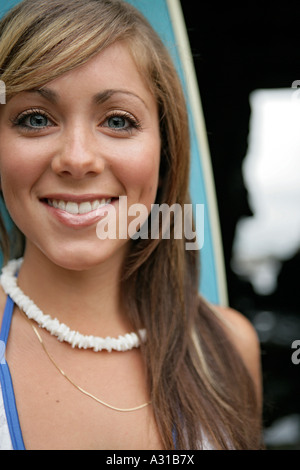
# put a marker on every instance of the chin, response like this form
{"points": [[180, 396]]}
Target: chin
{"points": [[83, 258]]}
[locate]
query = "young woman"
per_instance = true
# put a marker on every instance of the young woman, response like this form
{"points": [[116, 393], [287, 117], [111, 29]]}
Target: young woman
{"points": [[95, 112]]}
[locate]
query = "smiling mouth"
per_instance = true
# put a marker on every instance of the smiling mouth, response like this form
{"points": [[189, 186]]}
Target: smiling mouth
{"points": [[75, 208]]}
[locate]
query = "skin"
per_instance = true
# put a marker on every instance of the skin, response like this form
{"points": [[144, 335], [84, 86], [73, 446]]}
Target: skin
{"points": [[246, 341], [78, 152], [67, 270], [78, 155]]}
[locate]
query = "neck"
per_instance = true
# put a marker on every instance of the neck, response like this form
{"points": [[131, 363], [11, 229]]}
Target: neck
{"points": [[85, 300]]}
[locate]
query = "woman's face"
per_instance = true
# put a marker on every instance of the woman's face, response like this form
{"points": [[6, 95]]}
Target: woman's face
{"points": [[81, 141]]}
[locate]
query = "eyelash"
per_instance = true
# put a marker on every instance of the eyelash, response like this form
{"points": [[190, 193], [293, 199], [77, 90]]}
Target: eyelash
{"points": [[133, 122], [19, 121]]}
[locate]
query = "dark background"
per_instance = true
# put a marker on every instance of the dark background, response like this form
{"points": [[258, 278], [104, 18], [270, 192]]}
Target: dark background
{"points": [[239, 48]]}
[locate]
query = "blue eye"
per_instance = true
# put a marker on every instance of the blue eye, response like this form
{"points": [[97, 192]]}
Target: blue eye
{"points": [[117, 122], [32, 120], [121, 122], [36, 120]]}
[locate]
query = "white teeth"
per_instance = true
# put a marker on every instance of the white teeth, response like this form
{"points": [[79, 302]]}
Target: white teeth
{"points": [[82, 208], [62, 205], [72, 207], [85, 207], [95, 204]]}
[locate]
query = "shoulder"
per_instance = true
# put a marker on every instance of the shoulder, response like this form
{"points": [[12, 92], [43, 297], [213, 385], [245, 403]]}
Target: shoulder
{"points": [[244, 337]]}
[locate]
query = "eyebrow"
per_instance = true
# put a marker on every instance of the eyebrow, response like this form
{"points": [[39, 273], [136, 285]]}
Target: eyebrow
{"points": [[105, 95], [50, 95], [99, 98]]}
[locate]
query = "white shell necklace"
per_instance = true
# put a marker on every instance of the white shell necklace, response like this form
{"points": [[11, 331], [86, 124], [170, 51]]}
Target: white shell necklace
{"points": [[8, 281]]}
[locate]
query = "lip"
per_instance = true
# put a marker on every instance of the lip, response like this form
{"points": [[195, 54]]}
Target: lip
{"points": [[78, 221], [77, 198]]}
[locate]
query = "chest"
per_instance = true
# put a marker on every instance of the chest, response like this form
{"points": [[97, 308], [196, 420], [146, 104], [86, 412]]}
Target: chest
{"points": [[57, 418], [55, 415]]}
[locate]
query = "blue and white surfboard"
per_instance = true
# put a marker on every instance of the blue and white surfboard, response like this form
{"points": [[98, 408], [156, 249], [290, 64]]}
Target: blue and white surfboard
{"points": [[167, 19]]}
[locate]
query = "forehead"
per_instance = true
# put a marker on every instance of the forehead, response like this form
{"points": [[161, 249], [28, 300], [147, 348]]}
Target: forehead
{"points": [[112, 68]]}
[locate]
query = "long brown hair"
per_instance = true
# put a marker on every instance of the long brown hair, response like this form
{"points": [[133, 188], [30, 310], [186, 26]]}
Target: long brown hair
{"points": [[200, 389]]}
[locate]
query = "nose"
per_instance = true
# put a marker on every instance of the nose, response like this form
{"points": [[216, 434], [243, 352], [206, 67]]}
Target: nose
{"points": [[78, 154]]}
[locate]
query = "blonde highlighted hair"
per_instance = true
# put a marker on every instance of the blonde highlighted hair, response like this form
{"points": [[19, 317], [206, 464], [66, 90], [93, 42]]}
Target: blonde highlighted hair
{"points": [[199, 385]]}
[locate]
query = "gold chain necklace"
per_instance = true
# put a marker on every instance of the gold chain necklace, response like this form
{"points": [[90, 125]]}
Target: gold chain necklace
{"points": [[77, 386]]}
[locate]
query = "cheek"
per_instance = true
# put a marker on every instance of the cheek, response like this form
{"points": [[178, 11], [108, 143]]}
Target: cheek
{"points": [[19, 169], [139, 172], [20, 162]]}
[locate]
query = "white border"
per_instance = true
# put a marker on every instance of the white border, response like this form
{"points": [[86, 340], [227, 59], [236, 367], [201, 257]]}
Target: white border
{"points": [[195, 104]]}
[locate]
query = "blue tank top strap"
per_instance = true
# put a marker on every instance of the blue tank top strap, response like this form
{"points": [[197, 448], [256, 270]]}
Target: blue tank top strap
{"points": [[6, 321], [6, 381]]}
